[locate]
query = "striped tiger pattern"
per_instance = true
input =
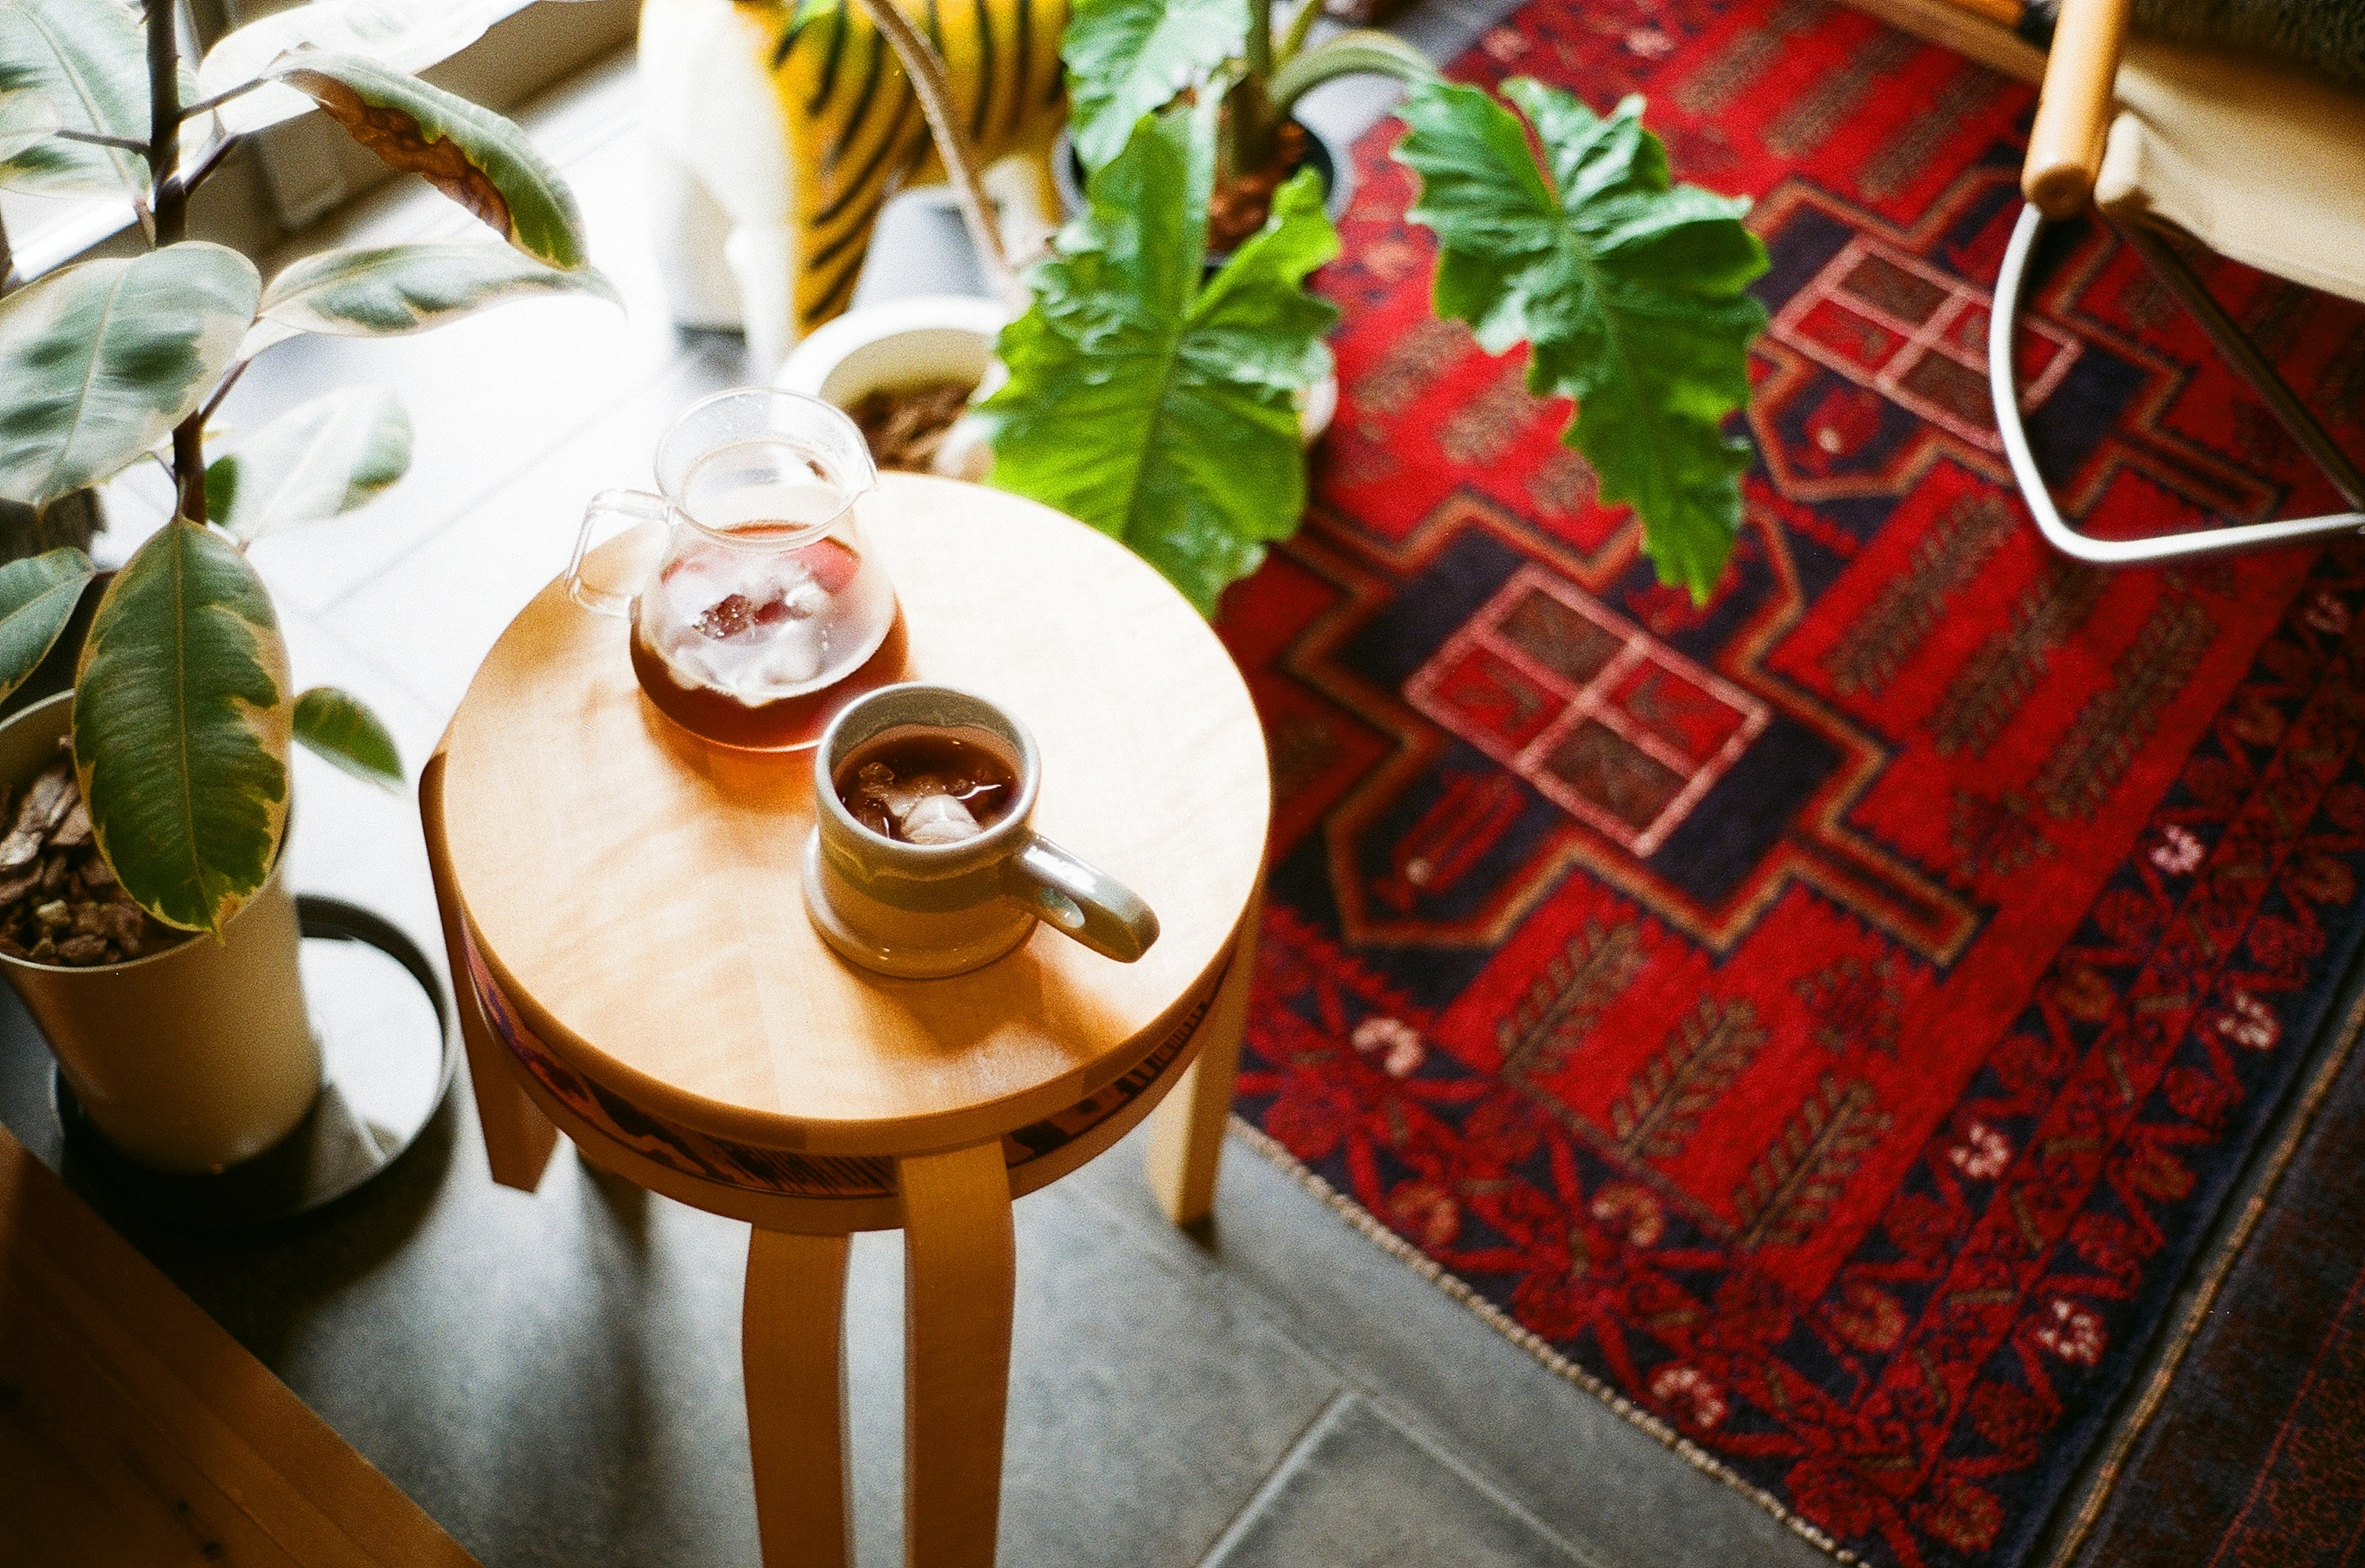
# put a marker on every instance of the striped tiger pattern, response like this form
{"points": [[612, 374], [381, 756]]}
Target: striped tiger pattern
{"points": [[855, 129]]}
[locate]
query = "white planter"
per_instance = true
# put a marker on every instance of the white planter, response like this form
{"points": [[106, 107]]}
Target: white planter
{"points": [[190, 1059], [939, 337]]}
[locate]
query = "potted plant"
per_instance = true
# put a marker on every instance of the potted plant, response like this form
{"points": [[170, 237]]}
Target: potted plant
{"points": [[142, 914], [1154, 397]]}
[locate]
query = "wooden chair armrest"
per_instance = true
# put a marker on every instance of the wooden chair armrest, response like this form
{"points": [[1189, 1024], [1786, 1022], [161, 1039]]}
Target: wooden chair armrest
{"points": [[2065, 145]]}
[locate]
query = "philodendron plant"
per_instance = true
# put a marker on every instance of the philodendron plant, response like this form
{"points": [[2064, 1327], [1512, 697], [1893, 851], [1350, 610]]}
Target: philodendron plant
{"points": [[182, 711], [1155, 399]]}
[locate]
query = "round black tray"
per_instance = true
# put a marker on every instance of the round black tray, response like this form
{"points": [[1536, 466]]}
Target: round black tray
{"points": [[388, 1050]]}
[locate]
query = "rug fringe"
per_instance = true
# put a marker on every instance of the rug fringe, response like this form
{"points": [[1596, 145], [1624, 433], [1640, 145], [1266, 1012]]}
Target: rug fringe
{"points": [[1494, 1318]]}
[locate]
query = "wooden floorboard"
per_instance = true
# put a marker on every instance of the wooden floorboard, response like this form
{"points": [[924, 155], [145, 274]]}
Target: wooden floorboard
{"points": [[133, 1430], [1966, 31]]}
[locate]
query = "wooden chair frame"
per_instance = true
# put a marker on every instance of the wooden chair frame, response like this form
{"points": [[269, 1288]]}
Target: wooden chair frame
{"points": [[2065, 157]]}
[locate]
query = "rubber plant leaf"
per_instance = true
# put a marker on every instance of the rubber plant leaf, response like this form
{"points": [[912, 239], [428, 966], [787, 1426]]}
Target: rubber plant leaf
{"points": [[1631, 291], [315, 461], [181, 727], [25, 119], [406, 35], [1128, 58], [388, 291], [471, 154], [101, 360], [1153, 406], [336, 727], [38, 596], [85, 61]]}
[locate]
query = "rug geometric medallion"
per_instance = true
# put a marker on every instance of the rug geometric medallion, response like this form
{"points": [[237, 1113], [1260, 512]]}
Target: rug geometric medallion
{"points": [[1825, 1021]]}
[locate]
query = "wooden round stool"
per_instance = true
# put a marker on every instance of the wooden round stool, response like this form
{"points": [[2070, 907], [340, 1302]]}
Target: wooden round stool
{"points": [[626, 900]]}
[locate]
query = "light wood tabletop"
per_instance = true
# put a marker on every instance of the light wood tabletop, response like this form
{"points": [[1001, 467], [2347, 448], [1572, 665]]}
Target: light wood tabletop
{"points": [[637, 893]]}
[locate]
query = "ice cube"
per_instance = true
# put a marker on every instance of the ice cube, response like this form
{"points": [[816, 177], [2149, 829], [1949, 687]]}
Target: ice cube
{"points": [[805, 600], [729, 616], [695, 660], [899, 795], [698, 581], [791, 654], [939, 819]]}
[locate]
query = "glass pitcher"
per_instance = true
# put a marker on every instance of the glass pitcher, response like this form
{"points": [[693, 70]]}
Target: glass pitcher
{"points": [[758, 608]]}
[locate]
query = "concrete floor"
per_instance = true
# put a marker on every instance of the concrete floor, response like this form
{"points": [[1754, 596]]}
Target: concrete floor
{"points": [[556, 1377]]}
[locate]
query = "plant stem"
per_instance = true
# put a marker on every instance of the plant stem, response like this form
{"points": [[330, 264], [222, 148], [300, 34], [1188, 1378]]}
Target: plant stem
{"points": [[193, 110], [1259, 52], [1301, 28], [206, 164], [1248, 133], [171, 207], [171, 204], [94, 138], [222, 391], [1362, 52], [925, 72]]}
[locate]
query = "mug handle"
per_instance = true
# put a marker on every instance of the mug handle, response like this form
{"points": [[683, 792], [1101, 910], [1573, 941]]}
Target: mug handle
{"points": [[636, 507], [1079, 902]]}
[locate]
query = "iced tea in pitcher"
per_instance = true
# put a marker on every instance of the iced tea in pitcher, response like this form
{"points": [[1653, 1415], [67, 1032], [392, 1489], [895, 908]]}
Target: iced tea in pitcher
{"points": [[757, 611]]}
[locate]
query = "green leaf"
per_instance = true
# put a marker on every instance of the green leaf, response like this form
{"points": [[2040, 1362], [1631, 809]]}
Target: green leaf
{"points": [[386, 292], [405, 35], [471, 154], [1128, 58], [25, 118], [334, 726], [37, 599], [88, 61], [1153, 408], [180, 728], [1631, 291], [101, 360], [316, 460]]}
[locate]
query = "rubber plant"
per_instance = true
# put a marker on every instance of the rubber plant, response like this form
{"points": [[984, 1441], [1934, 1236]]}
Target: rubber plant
{"points": [[1154, 397], [184, 713]]}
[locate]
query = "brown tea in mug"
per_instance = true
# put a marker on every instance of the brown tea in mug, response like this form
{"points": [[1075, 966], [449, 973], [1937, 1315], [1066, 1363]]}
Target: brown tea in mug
{"points": [[915, 785]]}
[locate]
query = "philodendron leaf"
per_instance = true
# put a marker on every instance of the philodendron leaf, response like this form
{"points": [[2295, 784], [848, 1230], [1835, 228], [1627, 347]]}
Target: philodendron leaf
{"points": [[1630, 291], [88, 61], [101, 360], [407, 35], [334, 726], [1128, 58], [471, 154], [37, 599], [316, 460], [180, 728], [1152, 406], [385, 292]]}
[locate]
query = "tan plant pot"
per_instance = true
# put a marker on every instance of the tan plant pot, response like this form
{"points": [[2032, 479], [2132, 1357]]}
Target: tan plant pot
{"points": [[190, 1059]]}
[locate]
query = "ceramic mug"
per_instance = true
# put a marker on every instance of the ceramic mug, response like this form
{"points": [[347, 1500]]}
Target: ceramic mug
{"points": [[922, 911]]}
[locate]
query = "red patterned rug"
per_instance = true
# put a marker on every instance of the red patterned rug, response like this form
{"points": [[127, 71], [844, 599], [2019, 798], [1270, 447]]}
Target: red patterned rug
{"points": [[1827, 1021]]}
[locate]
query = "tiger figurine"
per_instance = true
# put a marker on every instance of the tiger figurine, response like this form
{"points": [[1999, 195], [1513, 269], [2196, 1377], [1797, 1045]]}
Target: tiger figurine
{"points": [[778, 130]]}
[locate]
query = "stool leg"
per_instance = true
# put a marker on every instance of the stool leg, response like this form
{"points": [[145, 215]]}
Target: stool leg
{"points": [[960, 1271], [1186, 1133], [518, 1137], [792, 1344]]}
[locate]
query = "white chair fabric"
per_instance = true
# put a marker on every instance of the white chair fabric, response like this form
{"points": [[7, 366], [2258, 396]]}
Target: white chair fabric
{"points": [[2258, 161]]}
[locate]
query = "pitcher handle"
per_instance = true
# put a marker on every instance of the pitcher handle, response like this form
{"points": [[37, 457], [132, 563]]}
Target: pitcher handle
{"points": [[636, 507], [1079, 902]]}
